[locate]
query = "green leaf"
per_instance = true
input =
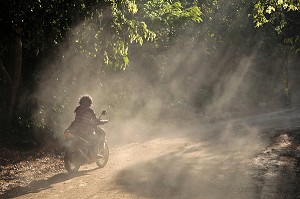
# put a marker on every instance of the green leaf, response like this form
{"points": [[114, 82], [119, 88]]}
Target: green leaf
{"points": [[126, 60], [270, 9], [280, 2]]}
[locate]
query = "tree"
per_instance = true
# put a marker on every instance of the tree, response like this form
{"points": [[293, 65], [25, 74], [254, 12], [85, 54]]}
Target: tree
{"points": [[105, 29], [32, 26], [283, 16]]}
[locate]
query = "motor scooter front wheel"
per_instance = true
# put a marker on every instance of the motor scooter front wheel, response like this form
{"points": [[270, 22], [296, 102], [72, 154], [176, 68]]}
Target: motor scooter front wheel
{"points": [[101, 161], [71, 162]]}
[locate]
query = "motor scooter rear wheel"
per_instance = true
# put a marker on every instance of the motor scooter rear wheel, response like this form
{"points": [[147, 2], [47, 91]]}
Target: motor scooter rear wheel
{"points": [[71, 162]]}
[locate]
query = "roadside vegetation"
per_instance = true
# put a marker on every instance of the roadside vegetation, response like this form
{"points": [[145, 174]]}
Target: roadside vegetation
{"points": [[142, 60]]}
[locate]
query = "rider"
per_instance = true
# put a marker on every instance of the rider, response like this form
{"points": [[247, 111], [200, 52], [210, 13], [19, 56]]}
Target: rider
{"points": [[86, 122]]}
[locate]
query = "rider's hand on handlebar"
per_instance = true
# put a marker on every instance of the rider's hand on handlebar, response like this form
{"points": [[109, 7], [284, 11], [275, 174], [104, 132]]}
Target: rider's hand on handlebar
{"points": [[104, 121]]}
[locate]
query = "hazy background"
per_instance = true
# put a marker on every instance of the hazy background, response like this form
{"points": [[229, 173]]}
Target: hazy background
{"points": [[194, 83], [199, 78]]}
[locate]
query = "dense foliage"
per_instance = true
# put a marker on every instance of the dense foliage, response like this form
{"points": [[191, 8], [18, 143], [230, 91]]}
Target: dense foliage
{"points": [[102, 30], [197, 56], [283, 16]]}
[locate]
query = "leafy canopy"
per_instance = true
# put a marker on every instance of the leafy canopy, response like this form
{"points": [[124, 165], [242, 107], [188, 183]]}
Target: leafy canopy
{"points": [[283, 16], [127, 22], [105, 28]]}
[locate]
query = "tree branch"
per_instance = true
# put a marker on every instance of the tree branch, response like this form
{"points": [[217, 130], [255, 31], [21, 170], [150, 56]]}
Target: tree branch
{"points": [[2, 68], [2, 50]]}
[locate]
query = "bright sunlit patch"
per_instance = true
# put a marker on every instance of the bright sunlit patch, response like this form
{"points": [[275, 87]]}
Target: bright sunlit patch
{"points": [[283, 141]]}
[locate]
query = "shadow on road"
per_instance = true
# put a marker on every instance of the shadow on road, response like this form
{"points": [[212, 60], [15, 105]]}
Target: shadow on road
{"points": [[39, 185], [211, 171], [194, 171]]}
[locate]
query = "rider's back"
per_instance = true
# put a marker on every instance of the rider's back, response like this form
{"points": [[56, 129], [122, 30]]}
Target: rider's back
{"points": [[84, 119]]}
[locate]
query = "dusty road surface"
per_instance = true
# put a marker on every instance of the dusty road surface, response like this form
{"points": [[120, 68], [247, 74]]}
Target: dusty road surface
{"points": [[237, 163]]}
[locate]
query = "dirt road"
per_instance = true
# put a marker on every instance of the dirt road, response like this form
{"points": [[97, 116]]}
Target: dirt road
{"points": [[240, 165], [116, 180]]}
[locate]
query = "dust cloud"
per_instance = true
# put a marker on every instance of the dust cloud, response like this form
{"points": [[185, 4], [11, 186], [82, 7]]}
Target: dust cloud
{"points": [[196, 79], [185, 91]]}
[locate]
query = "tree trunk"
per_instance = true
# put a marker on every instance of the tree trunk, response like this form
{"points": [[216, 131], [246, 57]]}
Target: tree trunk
{"points": [[16, 75]]}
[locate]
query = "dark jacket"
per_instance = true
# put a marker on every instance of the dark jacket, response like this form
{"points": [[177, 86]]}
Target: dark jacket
{"points": [[85, 120]]}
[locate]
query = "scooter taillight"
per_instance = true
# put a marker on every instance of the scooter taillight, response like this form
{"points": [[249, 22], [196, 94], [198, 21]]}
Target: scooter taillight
{"points": [[68, 134]]}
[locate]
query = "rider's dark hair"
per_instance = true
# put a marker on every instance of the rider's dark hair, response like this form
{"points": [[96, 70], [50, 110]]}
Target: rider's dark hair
{"points": [[85, 100]]}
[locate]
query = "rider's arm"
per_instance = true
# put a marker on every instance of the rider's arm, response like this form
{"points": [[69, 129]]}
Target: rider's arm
{"points": [[95, 120]]}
